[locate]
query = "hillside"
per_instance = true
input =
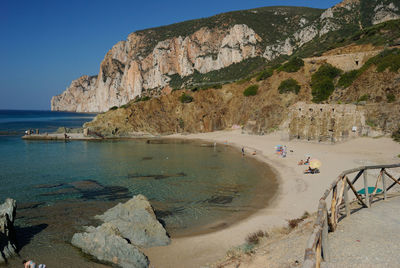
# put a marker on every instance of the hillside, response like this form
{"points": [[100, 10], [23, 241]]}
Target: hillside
{"points": [[216, 50], [373, 80]]}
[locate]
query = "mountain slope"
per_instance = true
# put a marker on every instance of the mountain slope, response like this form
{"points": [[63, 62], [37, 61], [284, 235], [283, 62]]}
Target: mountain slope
{"points": [[375, 89], [154, 61]]}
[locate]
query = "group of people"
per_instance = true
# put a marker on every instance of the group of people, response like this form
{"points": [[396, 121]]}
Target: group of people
{"points": [[309, 170], [281, 150]]}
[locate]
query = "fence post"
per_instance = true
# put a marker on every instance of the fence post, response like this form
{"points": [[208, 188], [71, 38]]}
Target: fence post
{"points": [[366, 189], [346, 198], [325, 243], [383, 184]]}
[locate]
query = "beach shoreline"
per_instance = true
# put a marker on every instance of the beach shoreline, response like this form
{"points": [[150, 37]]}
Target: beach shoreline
{"points": [[297, 192]]}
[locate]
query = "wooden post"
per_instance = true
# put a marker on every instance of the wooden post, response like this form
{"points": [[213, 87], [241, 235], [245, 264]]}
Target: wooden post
{"points": [[346, 198], [366, 189], [333, 209], [383, 184], [325, 244]]}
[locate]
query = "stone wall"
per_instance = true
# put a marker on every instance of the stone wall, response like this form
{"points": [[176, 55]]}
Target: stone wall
{"points": [[325, 122]]}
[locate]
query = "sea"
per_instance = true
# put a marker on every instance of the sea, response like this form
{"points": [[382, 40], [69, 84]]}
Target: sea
{"points": [[194, 187]]}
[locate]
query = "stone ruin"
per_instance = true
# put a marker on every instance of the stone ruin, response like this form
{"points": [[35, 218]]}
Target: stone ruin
{"points": [[325, 122]]}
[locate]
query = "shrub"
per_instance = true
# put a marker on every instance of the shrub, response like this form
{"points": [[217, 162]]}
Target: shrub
{"points": [[348, 78], [254, 238], [124, 106], [322, 82], [113, 108], [390, 97], [322, 89], [364, 97], [265, 74], [289, 85], [292, 66], [294, 223], [217, 86], [396, 136], [244, 80], [184, 98], [143, 98], [251, 90]]}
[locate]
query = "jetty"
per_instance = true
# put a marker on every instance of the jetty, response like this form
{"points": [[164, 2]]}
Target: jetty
{"points": [[85, 135], [361, 233]]}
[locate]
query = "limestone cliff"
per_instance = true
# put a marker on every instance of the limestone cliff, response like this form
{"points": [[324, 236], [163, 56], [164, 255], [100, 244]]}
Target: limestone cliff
{"points": [[150, 60]]}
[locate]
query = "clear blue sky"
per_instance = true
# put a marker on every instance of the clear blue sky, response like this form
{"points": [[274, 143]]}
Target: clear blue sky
{"points": [[47, 43]]}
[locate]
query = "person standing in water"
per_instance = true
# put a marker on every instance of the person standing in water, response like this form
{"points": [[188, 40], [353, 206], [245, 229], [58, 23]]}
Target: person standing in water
{"points": [[242, 151]]}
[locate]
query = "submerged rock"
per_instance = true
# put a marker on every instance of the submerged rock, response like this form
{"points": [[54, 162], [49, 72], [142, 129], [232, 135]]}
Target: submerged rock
{"points": [[126, 227], [7, 232]]}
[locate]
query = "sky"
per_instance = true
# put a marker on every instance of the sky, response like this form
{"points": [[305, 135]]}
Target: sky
{"points": [[46, 44]]}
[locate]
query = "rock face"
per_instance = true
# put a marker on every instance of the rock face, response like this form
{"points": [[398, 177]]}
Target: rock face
{"points": [[123, 75], [106, 244], [7, 233], [126, 228], [146, 63], [137, 222]]}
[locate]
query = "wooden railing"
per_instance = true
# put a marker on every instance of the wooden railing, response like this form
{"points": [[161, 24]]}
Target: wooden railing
{"points": [[317, 249]]}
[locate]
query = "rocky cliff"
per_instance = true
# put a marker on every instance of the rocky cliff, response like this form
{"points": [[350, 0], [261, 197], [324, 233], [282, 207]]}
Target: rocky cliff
{"points": [[153, 61]]}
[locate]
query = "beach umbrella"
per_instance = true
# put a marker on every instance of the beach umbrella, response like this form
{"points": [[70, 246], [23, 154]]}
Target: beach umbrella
{"points": [[315, 163]]}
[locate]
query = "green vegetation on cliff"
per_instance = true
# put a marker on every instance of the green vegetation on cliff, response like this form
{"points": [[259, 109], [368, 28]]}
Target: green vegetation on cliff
{"points": [[289, 85], [184, 98], [286, 20], [292, 66], [251, 91], [322, 82], [387, 59], [229, 74]]}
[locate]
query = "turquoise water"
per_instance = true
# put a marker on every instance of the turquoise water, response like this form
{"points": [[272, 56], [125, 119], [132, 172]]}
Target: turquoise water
{"points": [[189, 185]]}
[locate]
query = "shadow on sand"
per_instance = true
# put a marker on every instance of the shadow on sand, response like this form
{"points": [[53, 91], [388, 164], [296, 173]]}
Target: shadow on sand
{"points": [[25, 234]]}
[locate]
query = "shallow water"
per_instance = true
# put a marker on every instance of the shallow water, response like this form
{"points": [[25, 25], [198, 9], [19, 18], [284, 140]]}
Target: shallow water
{"points": [[60, 186]]}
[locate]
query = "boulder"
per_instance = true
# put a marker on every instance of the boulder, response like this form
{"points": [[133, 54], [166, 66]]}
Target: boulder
{"points": [[7, 232], [137, 222], [126, 228], [106, 244]]}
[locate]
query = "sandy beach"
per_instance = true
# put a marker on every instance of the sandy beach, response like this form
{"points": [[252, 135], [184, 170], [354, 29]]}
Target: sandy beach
{"points": [[297, 192]]}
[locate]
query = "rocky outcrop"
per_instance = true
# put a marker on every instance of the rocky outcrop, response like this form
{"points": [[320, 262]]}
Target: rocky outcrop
{"points": [[7, 232], [385, 12], [127, 228], [106, 244], [137, 222]]}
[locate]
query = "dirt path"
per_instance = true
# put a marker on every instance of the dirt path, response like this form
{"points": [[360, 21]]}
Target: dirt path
{"points": [[368, 238]]}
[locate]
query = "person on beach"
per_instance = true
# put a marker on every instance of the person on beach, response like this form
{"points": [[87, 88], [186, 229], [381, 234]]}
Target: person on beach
{"points": [[29, 264], [242, 151], [32, 264]]}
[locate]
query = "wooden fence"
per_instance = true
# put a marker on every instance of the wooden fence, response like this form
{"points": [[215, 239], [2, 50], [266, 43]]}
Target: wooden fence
{"points": [[317, 249]]}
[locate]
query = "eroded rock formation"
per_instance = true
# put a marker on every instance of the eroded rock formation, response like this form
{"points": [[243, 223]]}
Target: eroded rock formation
{"points": [[7, 232], [127, 228]]}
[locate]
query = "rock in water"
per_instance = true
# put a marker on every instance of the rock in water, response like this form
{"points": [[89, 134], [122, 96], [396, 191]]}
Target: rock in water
{"points": [[126, 227], [7, 231], [137, 222], [106, 244]]}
